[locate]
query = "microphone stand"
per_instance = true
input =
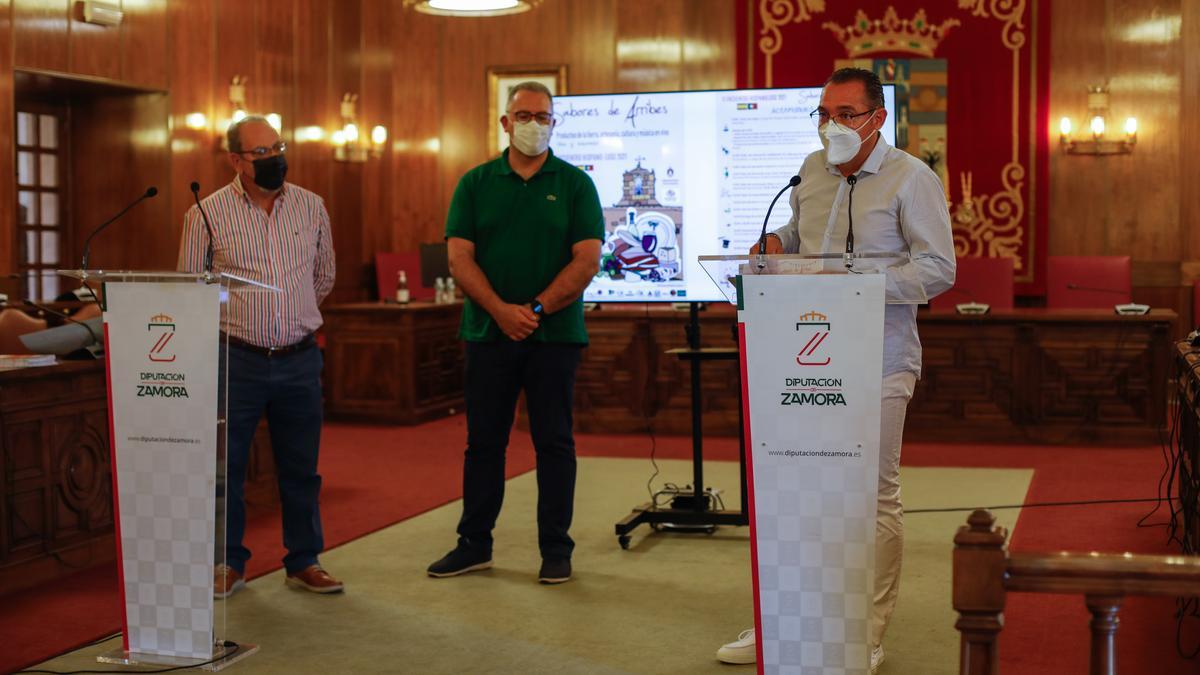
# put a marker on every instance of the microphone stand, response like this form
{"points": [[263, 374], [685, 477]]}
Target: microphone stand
{"points": [[762, 239], [208, 252]]}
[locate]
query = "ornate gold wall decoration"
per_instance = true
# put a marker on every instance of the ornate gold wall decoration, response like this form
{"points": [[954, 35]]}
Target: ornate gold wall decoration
{"points": [[1011, 12], [989, 226], [776, 13], [995, 230], [891, 34]]}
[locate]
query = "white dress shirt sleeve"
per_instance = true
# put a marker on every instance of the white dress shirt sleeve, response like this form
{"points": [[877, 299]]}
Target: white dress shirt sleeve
{"points": [[925, 225]]}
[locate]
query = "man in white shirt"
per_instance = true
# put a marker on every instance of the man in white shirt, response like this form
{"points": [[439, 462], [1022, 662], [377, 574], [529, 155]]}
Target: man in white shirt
{"points": [[899, 206]]}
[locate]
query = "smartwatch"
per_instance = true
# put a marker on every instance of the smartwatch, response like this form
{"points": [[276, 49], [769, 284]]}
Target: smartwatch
{"points": [[537, 308]]}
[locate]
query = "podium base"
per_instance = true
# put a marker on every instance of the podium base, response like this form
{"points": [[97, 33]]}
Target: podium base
{"points": [[223, 657]]}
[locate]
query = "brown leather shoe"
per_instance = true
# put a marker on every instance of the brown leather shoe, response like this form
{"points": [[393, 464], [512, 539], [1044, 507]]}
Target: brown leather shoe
{"points": [[315, 579], [226, 582]]}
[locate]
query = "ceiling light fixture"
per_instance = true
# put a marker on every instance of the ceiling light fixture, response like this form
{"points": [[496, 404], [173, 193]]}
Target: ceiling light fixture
{"points": [[471, 7]]}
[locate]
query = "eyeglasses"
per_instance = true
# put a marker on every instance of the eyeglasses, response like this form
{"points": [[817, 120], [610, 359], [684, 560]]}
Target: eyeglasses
{"points": [[845, 119], [263, 151], [523, 116]]}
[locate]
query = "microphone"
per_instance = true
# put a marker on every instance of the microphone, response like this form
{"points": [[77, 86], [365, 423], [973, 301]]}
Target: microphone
{"points": [[87, 243], [95, 347], [1128, 309], [208, 253], [852, 180], [762, 239]]}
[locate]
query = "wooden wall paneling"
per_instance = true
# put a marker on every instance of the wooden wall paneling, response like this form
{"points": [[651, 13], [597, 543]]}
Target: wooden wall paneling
{"points": [[145, 55], [40, 29], [129, 131], [192, 58], [709, 45], [467, 53], [1143, 212], [375, 108], [275, 75], [149, 239], [345, 197], [649, 46], [313, 95], [1078, 221], [590, 43], [93, 50], [8, 197], [99, 136], [1189, 135], [416, 120], [234, 56]]}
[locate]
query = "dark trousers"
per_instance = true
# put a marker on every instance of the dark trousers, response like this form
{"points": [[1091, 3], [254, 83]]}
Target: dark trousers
{"points": [[287, 389], [496, 373]]}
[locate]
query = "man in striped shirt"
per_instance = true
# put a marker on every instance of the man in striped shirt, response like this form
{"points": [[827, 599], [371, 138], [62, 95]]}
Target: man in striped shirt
{"points": [[276, 233]]}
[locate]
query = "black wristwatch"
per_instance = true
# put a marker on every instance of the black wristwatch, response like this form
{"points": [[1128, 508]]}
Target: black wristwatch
{"points": [[537, 308]]}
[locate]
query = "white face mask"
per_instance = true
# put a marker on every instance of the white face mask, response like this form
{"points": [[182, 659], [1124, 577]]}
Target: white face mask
{"points": [[530, 138], [841, 144]]}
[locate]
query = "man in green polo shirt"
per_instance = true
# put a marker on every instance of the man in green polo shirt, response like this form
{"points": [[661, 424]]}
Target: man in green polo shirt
{"points": [[523, 236]]}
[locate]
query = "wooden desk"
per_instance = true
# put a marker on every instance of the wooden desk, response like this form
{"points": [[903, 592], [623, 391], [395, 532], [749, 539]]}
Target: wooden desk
{"points": [[56, 513], [56, 492], [1042, 376], [1034, 375], [628, 383], [389, 363]]}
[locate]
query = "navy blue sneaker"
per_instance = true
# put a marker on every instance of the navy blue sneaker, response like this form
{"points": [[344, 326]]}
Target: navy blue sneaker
{"points": [[460, 561]]}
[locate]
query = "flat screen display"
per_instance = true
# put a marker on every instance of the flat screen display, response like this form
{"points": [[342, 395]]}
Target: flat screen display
{"points": [[685, 174]]}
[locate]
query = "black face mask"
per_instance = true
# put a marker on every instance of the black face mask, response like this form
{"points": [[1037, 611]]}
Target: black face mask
{"points": [[270, 171]]}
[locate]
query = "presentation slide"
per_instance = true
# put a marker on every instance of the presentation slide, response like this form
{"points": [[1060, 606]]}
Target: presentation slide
{"points": [[685, 174]]}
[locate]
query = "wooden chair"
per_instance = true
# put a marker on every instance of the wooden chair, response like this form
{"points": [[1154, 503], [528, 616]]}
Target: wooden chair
{"points": [[13, 324], [984, 572], [1094, 282], [984, 280]]}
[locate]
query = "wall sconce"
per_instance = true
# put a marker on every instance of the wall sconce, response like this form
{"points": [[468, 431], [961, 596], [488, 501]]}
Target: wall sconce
{"points": [[1098, 144], [348, 144]]}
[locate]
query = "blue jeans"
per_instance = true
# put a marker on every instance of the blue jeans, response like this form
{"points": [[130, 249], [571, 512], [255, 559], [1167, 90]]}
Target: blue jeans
{"points": [[496, 372], [288, 389]]}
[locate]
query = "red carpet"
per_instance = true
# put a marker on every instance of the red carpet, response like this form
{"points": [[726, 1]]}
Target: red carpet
{"points": [[376, 476]]}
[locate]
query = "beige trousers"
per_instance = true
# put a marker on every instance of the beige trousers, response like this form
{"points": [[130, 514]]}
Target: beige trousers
{"points": [[889, 516]]}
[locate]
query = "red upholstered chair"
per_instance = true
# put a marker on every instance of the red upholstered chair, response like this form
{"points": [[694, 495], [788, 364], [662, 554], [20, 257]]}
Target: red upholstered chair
{"points": [[987, 281], [386, 267], [1098, 282]]}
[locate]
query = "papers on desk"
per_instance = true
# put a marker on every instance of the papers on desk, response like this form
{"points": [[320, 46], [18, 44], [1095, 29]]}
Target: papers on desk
{"points": [[11, 361]]}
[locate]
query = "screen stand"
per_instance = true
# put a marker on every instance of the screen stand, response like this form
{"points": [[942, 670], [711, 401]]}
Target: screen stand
{"points": [[692, 510]]}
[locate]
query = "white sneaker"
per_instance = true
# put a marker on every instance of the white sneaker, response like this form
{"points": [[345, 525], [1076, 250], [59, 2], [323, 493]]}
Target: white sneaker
{"points": [[876, 658], [740, 651]]}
